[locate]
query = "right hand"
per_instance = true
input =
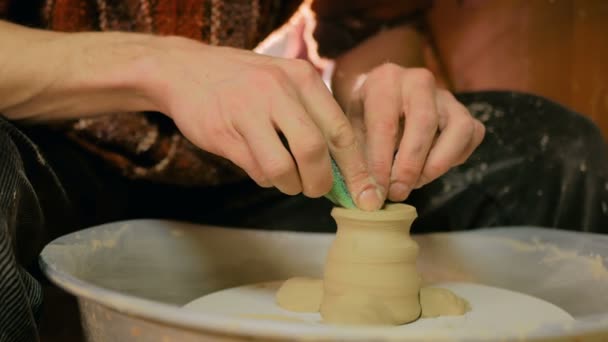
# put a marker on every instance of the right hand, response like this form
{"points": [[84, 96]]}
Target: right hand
{"points": [[234, 103]]}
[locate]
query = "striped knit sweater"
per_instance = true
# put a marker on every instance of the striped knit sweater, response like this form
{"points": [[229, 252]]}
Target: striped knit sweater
{"points": [[148, 145]]}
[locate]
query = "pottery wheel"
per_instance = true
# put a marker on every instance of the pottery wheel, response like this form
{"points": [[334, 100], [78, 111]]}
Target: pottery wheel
{"points": [[492, 309]]}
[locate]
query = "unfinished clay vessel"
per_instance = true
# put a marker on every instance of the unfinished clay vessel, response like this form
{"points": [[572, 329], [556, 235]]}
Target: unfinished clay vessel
{"points": [[370, 272]]}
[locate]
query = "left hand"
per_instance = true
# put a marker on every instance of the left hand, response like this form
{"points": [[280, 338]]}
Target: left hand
{"points": [[396, 109]]}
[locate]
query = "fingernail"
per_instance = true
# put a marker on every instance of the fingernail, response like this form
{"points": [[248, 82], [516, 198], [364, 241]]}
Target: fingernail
{"points": [[370, 199], [399, 191]]}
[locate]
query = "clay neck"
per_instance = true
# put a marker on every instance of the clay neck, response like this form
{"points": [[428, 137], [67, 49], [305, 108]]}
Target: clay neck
{"points": [[397, 226], [395, 217]]}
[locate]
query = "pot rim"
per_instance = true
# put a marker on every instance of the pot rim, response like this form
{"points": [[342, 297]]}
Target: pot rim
{"points": [[390, 212]]}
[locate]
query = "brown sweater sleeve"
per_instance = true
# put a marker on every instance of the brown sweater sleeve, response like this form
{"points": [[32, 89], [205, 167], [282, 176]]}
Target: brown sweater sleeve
{"points": [[342, 24]]}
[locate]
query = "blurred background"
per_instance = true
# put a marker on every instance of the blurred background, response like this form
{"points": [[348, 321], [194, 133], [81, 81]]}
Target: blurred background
{"points": [[553, 48]]}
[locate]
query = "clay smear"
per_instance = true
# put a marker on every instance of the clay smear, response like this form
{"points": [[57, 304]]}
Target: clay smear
{"points": [[304, 295], [555, 254]]}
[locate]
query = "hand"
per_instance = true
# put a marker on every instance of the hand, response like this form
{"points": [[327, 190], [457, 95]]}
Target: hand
{"points": [[229, 102], [402, 110], [233, 103]]}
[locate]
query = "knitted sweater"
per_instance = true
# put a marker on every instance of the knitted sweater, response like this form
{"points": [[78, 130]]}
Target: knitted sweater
{"points": [[148, 145]]}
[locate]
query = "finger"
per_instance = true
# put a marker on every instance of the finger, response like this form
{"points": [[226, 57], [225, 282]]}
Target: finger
{"points": [[355, 114], [451, 146], [340, 137], [308, 148], [242, 156], [274, 159], [225, 141], [383, 107], [421, 120], [478, 135], [447, 101]]}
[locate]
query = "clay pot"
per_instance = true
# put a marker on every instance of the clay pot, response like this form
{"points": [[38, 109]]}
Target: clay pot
{"points": [[370, 272]]}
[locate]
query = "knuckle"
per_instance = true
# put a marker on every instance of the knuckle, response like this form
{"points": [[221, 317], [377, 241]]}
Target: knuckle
{"points": [[422, 76], [253, 172], [304, 71], [368, 89], [341, 136], [461, 108], [407, 172], [416, 152], [280, 168], [446, 95], [266, 78], [292, 188], [426, 121], [263, 182], [360, 175], [385, 73], [381, 169], [380, 166], [480, 130], [467, 127], [312, 149], [215, 133], [319, 188], [384, 127], [387, 70], [461, 160], [436, 168], [359, 178]]}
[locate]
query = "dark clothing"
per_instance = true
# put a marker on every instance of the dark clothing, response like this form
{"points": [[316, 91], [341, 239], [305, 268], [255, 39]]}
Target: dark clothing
{"points": [[540, 164]]}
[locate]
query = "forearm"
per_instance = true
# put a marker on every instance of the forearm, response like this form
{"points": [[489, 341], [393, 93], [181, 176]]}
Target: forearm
{"points": [[50, 75], [402, 45]]}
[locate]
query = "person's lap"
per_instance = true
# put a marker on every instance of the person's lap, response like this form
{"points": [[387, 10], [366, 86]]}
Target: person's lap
{"points": [[540, 164]]}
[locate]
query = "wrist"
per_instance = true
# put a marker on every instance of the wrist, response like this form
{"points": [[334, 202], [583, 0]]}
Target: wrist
{"points": [[167, 68]]}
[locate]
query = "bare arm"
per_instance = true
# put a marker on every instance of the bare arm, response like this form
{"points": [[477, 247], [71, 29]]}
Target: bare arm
{"points": [[229, 102], [51, 75]]}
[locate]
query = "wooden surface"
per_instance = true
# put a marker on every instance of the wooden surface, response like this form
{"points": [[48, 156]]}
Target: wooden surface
{"points": [[554, 48]]}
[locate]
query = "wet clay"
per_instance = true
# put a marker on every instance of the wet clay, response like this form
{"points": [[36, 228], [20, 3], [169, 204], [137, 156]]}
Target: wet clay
{"points": [[304, 295], [300, 294], [437, 302], [370, 275]]}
